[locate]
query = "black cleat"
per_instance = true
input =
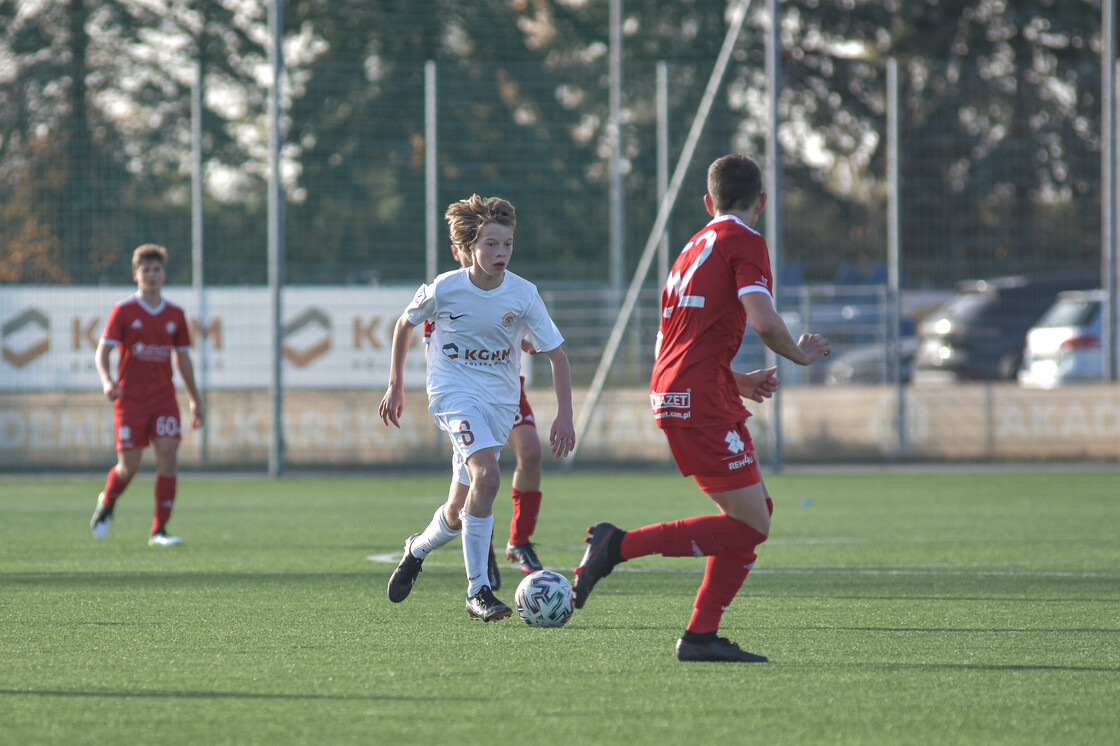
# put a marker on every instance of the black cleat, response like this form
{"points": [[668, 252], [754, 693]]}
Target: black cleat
{"points": [[483, 605], [102, 518], [596, 563], [404, 577], [524, 555], [493, 572], [719, 649]]}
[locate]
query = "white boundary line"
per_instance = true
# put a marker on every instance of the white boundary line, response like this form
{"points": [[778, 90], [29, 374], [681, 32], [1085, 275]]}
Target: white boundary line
{"points": [[394, 558]]}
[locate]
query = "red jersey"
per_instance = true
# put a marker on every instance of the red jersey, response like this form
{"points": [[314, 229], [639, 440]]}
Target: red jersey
{"points": [[145, 337], [702, 325]]}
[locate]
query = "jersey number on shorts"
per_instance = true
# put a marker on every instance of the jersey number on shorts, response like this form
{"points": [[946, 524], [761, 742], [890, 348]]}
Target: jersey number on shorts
{"points": [[465, 432], [677, 286], [167, 427]]}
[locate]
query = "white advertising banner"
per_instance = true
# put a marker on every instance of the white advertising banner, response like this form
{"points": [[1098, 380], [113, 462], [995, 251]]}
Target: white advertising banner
{"points": [[332, 337]]}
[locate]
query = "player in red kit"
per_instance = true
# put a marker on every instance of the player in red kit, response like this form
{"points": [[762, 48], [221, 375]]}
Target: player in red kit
{"points": [[719, 282], [149, 332]]}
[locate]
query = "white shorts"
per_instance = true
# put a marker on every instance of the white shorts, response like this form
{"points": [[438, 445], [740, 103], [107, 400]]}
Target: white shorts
{"points": [[472, 426]]}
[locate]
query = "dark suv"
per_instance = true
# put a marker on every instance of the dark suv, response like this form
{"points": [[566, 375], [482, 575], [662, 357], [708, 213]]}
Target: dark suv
{"points": [[977, 335]]}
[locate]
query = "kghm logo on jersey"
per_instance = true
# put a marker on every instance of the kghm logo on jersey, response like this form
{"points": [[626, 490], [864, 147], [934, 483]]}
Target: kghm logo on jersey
{"points": [[486, 357], [676, 405], [477, 358]]}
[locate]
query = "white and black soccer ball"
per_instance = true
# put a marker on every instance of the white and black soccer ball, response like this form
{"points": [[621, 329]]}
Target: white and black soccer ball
{"points": [[544, 599]]}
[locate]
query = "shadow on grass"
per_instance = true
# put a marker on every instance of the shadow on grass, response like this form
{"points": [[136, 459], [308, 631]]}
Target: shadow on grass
{"points": [[228, 695], [110, 578], [967, 630], [968, 667]]}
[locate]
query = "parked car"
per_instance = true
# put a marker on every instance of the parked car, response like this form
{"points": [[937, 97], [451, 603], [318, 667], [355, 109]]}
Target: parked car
{"points": [[978, 333], [866, 364], [1065, 345]]}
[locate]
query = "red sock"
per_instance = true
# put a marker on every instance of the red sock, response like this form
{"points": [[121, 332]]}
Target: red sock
{"points": [[702, 536], [114, 486], [165, 500], [723, 577], [526, 509]]}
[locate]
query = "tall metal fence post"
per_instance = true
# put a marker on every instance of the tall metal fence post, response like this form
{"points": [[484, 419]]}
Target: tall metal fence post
{"points": [[663, 160], [614, 131], [198, 266], [431, 175], [774, 208], [894, 255], [276, 247], [1109, 205]]}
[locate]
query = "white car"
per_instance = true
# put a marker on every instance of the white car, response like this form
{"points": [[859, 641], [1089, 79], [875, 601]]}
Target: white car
{"points": [[1064, 346]]}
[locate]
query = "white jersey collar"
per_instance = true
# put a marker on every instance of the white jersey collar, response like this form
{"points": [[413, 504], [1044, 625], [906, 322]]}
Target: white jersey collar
{"points": [[150, 309]]}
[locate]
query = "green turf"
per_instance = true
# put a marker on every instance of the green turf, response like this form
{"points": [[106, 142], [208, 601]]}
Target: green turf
{"points": [[924, 608]]}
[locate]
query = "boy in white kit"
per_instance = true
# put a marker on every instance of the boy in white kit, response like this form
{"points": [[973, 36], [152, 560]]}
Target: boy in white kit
{"points": [[481, 313]]}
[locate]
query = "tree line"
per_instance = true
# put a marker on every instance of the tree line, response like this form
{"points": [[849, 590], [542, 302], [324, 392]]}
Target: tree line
{"points": [[1000, 131]]}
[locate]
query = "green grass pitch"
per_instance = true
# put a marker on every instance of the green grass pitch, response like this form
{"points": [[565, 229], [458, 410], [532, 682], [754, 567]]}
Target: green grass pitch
{"points": [[925, 607]]}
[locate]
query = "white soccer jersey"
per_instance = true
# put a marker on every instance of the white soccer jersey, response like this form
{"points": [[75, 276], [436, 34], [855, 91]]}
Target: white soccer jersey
{"points": [[475, 348]]}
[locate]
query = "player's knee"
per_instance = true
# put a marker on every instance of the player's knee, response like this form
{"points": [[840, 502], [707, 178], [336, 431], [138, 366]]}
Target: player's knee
{"points": [[529, 460], [485, 482], [451, 517], [127, 468], [744, 557], [755, 531]]}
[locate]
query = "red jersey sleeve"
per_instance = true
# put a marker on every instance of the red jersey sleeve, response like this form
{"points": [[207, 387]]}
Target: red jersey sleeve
{"points": [[181, 337], [751, 264], [114, 327]]}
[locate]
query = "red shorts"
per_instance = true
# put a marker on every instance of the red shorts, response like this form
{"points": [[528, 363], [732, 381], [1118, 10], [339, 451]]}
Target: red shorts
{"points": [[136, 424], [720, 459], [524, 411]]}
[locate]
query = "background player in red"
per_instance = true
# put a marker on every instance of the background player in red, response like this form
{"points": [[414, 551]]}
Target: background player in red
{"points": [[148, 331], [526, 490], [720, 280]]}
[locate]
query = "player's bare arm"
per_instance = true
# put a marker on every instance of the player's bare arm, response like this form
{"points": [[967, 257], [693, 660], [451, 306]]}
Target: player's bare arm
{"points": [[772, 330], [758, 384], [392, 404], [101, 360], [562, 436], [186, 370]]}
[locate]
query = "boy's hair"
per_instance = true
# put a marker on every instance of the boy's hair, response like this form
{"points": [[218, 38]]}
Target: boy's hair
{"points": [[148, 252], [466, 218], [734, 182]]}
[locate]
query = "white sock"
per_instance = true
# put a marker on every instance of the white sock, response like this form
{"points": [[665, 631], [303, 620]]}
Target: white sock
{"points": [[476, 549], [433, 537]]}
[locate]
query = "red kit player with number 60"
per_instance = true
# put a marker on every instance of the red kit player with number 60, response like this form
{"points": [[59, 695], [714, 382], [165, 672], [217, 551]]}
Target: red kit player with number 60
{"points": [[720, 280], [149, 332]]}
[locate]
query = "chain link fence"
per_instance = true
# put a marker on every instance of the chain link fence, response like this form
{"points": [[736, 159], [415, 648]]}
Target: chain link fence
{"points": [[994, 180]]}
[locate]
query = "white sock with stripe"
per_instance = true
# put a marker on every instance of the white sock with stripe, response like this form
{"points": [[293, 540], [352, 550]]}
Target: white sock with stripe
{"points": [[433, 537], [476, 549]]}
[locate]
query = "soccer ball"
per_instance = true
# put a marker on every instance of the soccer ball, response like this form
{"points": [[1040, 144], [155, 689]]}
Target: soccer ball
{"points": [[544, 599]]}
